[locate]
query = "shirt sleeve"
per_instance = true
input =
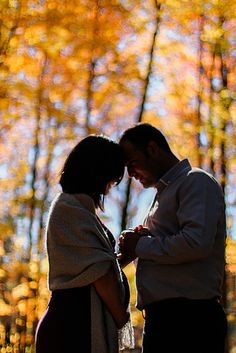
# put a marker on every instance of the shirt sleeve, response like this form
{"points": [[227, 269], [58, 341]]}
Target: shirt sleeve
{"points": [[201, 204]]}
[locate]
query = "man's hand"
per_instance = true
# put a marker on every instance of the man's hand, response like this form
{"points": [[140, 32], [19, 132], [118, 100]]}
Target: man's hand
{"points": [[142, 231]]}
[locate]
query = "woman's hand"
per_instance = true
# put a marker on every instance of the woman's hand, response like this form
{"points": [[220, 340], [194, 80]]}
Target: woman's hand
{"points": [[108, 289], [128, 242]]}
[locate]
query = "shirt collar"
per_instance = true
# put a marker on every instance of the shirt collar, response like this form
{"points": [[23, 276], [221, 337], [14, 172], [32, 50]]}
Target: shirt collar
{"points": [[176, 171]]}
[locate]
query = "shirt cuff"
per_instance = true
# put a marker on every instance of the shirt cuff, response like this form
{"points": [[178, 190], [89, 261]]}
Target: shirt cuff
{"points": [[143, 245]]}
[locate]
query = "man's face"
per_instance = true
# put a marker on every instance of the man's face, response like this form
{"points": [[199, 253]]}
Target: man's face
{"points": [[142, 166]]}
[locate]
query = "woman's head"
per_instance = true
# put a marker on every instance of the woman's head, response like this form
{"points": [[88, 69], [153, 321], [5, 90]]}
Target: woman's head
{"points": [[93, 164]]}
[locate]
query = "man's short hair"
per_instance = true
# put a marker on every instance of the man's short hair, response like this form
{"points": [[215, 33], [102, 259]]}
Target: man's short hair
{"points": [[141, 134]]}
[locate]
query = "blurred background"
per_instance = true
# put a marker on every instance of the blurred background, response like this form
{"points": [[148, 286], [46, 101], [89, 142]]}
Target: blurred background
{"points": [[69, 68]]}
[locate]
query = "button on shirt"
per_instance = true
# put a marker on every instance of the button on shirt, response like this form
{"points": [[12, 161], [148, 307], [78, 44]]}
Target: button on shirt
{"points": [[184, 254]]}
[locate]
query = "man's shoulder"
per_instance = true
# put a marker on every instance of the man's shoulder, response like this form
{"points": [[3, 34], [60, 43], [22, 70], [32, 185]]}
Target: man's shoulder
{"points": [[202, 176], [201, 173]]}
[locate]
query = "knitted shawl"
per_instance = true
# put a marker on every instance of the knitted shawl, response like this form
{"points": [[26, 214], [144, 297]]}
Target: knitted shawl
{"points": [[79, 253]]}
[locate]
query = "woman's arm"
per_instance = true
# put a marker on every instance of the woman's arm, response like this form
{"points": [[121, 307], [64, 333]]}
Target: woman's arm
{"points": [[108, 290]]}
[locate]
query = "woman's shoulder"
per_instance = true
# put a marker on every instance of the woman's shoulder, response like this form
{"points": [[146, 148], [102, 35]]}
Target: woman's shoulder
{"points": [[68, 206], [78, 201]]}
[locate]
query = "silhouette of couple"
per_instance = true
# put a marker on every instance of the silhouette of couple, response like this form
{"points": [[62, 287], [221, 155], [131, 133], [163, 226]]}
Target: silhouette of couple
{"points": [[179, 249]]}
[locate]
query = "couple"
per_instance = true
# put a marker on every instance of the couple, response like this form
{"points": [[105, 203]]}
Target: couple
{"points": [[180, 250]]}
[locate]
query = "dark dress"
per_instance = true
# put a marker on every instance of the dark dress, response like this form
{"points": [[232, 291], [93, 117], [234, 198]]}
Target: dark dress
{"points": [[66, 322], [66, 325]]}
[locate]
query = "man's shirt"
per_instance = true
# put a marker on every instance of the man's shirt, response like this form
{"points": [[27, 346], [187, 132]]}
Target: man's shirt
{"points": [[184, 254]]}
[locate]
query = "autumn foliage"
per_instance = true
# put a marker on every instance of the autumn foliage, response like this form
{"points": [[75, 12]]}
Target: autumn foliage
{"points": [[69, 68]]}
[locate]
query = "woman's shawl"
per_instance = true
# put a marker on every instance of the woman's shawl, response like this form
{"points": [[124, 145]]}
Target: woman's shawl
{"points": [[79, 253]]}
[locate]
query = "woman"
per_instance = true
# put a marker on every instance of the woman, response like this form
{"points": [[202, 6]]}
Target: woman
{"points": [[88, 309]]}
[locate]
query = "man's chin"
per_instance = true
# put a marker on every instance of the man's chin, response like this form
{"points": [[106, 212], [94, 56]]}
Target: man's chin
{"points": [[145, 184]]}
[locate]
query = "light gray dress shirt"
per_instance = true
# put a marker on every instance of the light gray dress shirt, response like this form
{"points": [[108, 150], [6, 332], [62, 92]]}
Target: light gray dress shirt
{"points": [[184, 255]]}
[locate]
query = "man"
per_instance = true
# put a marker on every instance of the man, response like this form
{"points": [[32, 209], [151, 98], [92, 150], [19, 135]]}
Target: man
{"points": [[180, 250]]}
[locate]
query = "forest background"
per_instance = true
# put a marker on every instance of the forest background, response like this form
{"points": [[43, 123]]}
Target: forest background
{"points": [[69, 68]]}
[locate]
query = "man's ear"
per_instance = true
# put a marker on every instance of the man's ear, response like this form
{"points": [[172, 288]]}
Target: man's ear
{"points": [[152, 148]]}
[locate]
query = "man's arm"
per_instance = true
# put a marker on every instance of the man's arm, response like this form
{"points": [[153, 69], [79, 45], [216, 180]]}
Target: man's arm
{"points": [[201, 206]]}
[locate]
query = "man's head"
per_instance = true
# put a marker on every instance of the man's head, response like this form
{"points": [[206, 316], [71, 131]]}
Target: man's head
{"points": [[147, 153]]}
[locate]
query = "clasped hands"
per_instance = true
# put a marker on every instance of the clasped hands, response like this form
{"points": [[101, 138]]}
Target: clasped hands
{"points": [[127, 243]]}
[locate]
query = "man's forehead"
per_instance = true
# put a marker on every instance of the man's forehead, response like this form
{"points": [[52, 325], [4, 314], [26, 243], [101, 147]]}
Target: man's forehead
{"points": [[130, 151], [128, 148]]}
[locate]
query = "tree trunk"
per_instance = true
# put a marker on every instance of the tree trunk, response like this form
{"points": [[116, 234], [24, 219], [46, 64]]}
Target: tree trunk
{"points": [[128, 188], [36, 151], [199, 94]]}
